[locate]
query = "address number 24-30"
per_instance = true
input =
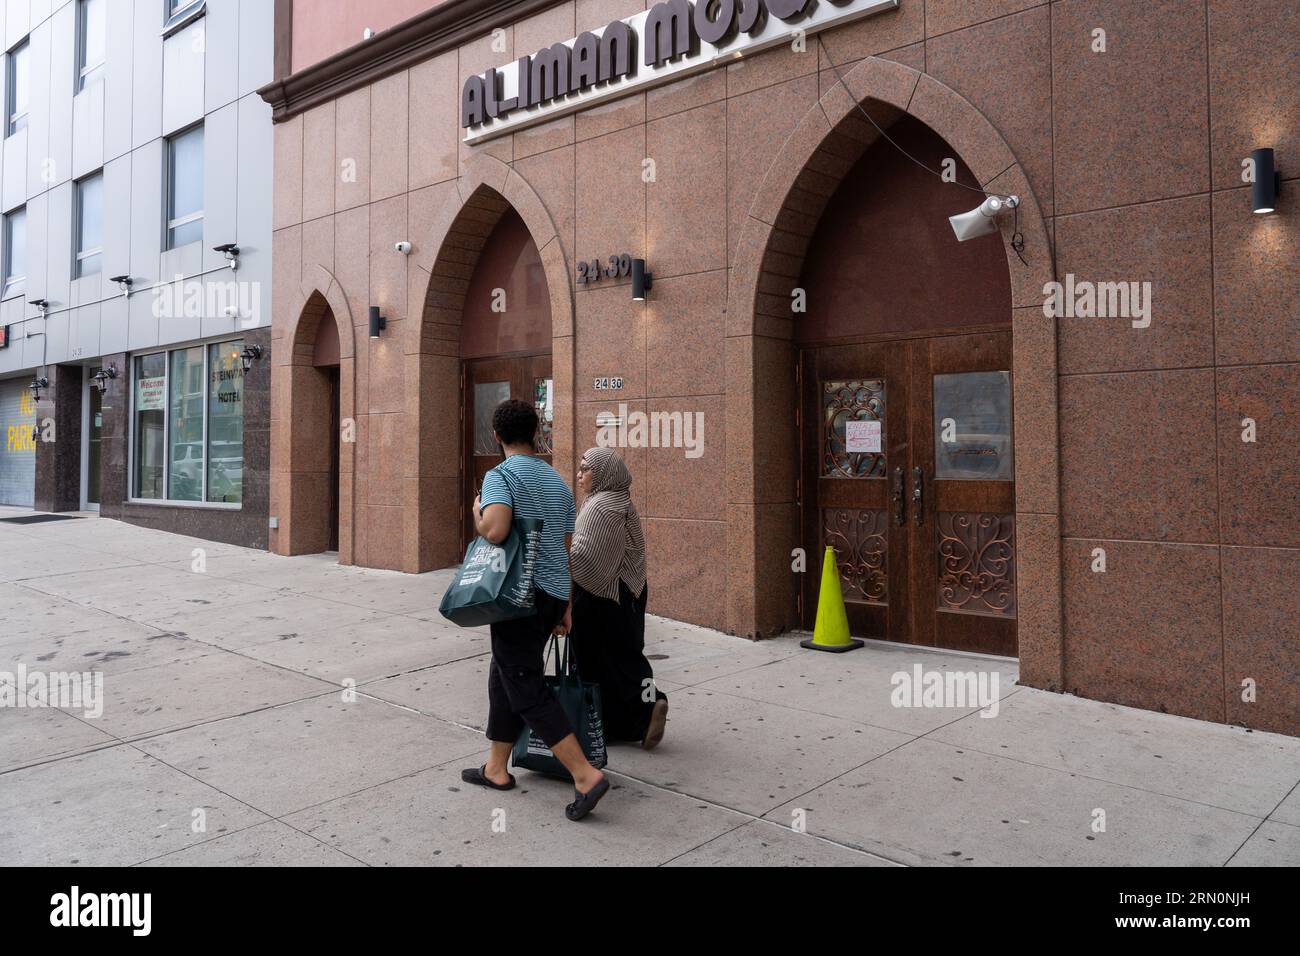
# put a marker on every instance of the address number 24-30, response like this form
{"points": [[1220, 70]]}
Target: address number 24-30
{"points": [[616, 268]]}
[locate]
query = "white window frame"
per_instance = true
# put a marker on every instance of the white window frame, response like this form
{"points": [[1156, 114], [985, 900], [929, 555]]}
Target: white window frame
{"points": [[13, 283], [80, 255], [167, 437], [178, 13], [88, 73], [169, 223], [15, 121]]}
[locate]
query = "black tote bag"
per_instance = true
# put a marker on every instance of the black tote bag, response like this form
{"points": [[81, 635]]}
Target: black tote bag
{"points": [[495, 582], [581, 704]]}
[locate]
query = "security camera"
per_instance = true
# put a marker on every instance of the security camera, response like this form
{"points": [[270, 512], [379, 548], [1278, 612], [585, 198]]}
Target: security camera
{"points": [[981, 221], [230, 251], [403, 247]]}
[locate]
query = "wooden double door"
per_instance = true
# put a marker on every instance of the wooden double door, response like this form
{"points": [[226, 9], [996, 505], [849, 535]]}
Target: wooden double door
{"points": [[907, 474], [485, 384]]}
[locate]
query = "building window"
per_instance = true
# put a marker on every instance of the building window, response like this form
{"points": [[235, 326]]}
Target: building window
{"points": [[185, 425], [225, 422], [15, 253], [90, 41], [188, 439], [19, 88], [179, 12], [150, 425], [89, 225], [185, 188]]}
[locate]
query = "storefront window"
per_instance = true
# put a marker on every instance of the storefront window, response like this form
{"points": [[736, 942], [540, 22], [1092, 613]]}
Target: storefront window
{"points": [[188, 439], [225, 421], [185, 386], [150, 422]]}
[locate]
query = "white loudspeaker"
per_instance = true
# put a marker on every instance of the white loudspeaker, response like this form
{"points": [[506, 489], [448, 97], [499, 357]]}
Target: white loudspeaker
{"points": [[981, 221]]}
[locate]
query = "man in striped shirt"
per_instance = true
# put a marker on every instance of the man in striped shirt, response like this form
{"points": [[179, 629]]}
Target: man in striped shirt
{"points": [[517, 692]]}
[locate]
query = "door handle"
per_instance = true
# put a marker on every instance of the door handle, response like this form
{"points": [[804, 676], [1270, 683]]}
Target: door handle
{"points": [[896, 496], [918, 495]]}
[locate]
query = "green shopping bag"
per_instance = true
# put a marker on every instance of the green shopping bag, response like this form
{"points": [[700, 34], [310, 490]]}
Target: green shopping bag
{"points": [[495, 582], [581, 704]]}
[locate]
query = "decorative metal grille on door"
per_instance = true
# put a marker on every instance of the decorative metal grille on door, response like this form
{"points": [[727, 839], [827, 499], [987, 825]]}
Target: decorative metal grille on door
{"points": [[860, 540], [845, 404], [977, 563]]}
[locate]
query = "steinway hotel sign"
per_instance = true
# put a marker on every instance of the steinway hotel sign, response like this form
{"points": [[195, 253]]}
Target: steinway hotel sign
{"points": [[672, 39]]}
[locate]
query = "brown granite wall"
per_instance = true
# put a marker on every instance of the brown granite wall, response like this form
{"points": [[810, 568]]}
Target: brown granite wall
{"points": [[1132, 157], [58, 461]]}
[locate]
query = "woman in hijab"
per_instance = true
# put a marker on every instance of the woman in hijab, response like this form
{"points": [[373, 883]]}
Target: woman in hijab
{"points": [[607, 561]]}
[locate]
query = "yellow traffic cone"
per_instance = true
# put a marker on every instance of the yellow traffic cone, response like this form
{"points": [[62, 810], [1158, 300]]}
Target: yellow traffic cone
{"points": [[831, 632]]}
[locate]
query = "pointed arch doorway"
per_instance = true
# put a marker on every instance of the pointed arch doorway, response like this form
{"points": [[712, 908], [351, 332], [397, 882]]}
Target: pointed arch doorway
{"points": [[313, 447], [505, 348], [772, 252], [905, 402]]}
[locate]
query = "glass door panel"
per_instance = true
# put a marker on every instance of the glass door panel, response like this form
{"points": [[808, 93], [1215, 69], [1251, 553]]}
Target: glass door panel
{"points": [[94, 440]]}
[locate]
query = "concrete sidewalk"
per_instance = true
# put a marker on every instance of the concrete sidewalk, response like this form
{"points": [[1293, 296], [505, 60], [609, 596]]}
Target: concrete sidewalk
{"points": [[227, 691]]}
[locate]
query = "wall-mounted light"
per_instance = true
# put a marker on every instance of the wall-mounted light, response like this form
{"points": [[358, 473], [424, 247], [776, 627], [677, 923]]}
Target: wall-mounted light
{"points": [[123, 283], [377, 322], [981, 221], [100, 378], [38, 383], [230, 251], [641, 280], [1268, 181], [250, 354], [42, 305]]}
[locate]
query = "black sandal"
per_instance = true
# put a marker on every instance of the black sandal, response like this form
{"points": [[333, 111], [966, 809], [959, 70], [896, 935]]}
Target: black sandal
{"points": [[584, 803], [476, 776]]}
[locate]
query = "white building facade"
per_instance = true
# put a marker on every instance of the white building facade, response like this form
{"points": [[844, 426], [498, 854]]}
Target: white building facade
{"points": [[136, 171]]}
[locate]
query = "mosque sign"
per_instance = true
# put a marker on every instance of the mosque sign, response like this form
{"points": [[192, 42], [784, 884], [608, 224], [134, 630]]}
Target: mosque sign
{"points": [[671, 40]]}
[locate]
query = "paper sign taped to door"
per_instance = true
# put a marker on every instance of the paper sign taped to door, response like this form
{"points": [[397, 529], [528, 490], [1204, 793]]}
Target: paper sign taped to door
{"points": [[862, 437]]}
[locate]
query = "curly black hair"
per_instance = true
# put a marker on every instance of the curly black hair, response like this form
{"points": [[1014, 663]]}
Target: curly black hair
{"points": [[515, 422]]}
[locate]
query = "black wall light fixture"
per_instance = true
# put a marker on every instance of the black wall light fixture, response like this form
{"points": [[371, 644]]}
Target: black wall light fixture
{"points": [[38, 383], [641, 280], [1267, 182], [123, 283], [377, 322], [250, 354], [100, 378]]}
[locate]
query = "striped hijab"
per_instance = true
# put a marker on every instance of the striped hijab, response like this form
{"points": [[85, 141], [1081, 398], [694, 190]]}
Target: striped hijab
{"points": [[608, 545]]}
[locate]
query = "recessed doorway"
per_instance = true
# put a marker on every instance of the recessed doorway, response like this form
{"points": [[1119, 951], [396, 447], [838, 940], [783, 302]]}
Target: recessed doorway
{"points": [[907, 454], [505, 348]]}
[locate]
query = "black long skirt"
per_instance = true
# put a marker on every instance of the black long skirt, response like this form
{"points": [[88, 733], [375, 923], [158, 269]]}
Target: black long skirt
{"points": [[609, 646]]}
